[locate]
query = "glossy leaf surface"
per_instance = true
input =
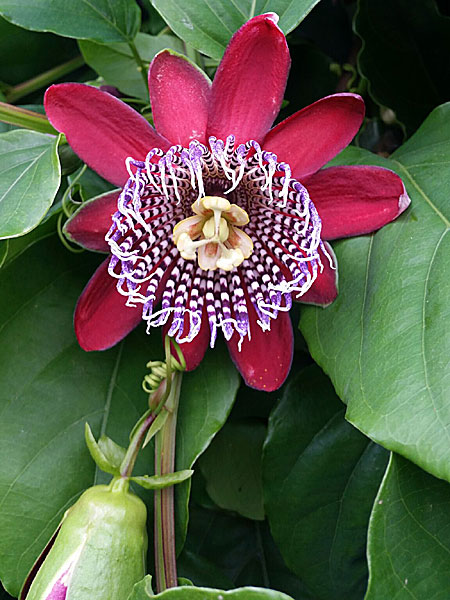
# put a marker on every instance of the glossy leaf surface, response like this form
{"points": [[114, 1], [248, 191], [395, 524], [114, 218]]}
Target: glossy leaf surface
{"points": [[209, 25], [409, 535], [385, 341], [101, 21], [237, 484], [49, 388], [321, 476], [207, 395], [142, 591], [236, 549], [116, 63], [29, 179], [413, 36]]}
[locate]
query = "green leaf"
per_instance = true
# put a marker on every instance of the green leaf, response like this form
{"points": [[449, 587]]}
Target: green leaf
{"points": [[188, 592], [116, 64], [49, 389], [98, 456], [158, 482], [26, 54], [320, 479], [232, 468], [207, 396], [4, 248], [29, 179], [385, 341], [156, 426], [202, 571], [3, 594], [18, 245], [207, 25], [409, 536], [142, 589], [102, 21], [113, 452], [238, 552], [404, 71]]}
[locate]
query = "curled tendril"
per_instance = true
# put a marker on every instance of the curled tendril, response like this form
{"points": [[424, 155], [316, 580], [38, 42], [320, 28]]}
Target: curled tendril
{"points": [[68, 204], [62, 237], [160, 370]]}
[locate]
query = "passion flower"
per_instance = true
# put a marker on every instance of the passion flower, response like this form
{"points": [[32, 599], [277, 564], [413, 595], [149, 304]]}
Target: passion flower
{"points": [[222, 221]]}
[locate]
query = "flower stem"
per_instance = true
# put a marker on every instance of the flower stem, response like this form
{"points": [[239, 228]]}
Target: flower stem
{"points": [[140, 63], [25, 118], [165, 555], [44, 79], [127, 466]]}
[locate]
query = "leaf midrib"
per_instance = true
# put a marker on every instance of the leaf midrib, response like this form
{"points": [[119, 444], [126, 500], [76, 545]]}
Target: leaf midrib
{"points": [[427, 199]]}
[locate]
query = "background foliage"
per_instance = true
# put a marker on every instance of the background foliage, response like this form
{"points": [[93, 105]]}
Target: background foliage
{"points": [[335, 487]]}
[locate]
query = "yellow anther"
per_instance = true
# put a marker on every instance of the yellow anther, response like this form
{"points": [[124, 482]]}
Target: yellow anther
{"points": [[186, 247], [216, 203], [209, 230], [230, 259]]}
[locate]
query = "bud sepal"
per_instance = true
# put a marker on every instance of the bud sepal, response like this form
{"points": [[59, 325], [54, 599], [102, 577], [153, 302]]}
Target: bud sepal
{"points": [[106, 454]]}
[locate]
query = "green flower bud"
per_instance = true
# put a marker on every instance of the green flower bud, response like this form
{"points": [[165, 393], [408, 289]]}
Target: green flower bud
{"points": [[99, 552]]}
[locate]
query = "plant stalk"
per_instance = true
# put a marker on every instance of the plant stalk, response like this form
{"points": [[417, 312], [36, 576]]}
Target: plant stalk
{"points": [[165, 554], [25, 118], [127, 466], [43, 79], [140, 63]]}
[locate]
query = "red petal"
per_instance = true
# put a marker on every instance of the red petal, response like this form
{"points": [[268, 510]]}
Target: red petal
{"points": [[356, 200], [179, 93], [265, 360], [314, 135], [101, 317], [101, 129], [91, 222], [324, 289], [194, 351], [248, 88]]}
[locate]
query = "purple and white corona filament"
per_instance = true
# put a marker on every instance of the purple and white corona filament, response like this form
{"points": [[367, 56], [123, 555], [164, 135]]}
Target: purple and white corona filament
{"points": [[208, 230]]}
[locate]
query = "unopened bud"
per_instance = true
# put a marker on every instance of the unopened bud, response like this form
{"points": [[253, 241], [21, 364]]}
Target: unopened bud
{"points": [[99, 551]]}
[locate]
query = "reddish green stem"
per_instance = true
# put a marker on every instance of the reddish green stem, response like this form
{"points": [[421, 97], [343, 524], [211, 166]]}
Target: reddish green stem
{"points": [[165, 555]]}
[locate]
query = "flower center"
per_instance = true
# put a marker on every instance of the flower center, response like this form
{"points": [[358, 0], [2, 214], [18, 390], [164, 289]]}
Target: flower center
{"points": [[213, 236], [188, 217]]}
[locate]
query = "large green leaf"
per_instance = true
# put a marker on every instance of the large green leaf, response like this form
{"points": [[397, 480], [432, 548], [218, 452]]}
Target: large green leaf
{"points": [[209, 24], [232, 468], [3, 594], [240, 550], [207, 396], [403, 42], [409, 536], [99, 20], [116, 63], [49, 388], [320, 478], [143, 591], [29, 179], [25, 54], [385, 341]]}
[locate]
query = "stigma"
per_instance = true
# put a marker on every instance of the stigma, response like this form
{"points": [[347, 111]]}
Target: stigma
{"points": [[212, 236]]}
